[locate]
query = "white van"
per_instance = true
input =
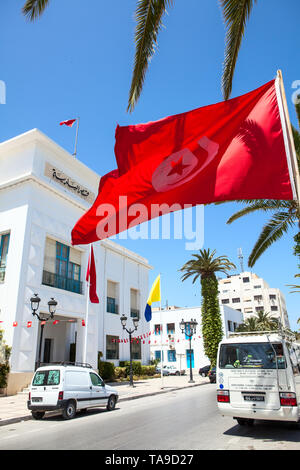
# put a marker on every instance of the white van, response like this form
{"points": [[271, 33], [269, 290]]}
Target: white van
{"points": [[68, 388], [258, 377]]}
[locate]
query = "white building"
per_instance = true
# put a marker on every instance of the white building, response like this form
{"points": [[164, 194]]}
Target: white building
{"points": [[43, 192], [250, 294], [168, 337]]}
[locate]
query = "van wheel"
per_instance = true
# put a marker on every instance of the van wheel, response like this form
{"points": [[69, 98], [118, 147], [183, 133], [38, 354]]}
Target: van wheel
{"points": [[70, 410], [243, 421], [111, 404], [38, 414]]}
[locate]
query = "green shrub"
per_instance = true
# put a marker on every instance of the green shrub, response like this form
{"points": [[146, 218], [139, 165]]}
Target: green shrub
{"points": [[106, 370], [4, 371], [148, 370], [4, 361], [120, 372]]}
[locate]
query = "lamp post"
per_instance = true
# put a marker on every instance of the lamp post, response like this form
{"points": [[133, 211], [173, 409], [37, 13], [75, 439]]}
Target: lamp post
{"points": [[35, 302], [135, 321], [189, 329]]}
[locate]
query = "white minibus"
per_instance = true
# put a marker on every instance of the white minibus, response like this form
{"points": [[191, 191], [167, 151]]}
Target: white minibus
{"points": [[258, 377]]}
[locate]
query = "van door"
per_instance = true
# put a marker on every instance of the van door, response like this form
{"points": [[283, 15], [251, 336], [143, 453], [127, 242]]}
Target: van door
{"points": [[77, 386], [98, 392], [45, 387]]}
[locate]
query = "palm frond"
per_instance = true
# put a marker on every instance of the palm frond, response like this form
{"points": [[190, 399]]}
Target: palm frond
{"points": [[149, 15], [277, 226], [236, 14], [34, 8], [261, 205]]}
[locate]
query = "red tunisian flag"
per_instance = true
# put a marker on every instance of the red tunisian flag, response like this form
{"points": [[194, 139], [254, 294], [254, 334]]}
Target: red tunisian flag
{"points": [[68, 123], [91, 278], [232, 150]]}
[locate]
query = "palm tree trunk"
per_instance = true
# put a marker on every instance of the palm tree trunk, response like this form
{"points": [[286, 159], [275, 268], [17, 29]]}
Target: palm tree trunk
{"points": [[212, 330]]}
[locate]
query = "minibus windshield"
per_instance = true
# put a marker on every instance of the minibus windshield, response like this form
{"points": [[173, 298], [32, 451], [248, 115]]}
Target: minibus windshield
{"points": [[46, 377], [252, 355]]}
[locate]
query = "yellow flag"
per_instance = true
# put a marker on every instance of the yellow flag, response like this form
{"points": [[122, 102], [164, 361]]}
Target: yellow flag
{"points": [[154, 296]]}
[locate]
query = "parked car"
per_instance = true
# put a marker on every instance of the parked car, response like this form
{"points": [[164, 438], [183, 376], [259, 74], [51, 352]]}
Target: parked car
{"points": [[203, 371], [158, 370], [173, 370], [68, 388], [212, 375]]}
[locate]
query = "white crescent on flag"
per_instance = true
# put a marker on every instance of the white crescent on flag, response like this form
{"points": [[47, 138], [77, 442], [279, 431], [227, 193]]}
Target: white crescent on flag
{"points": [[178, 168]]}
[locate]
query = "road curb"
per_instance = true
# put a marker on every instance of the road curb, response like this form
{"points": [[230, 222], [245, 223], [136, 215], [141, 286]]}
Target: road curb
{"points": [[8, 421]]}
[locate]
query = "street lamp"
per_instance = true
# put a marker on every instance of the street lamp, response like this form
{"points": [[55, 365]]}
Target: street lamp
{"points": [[189, 329], [35, 302], [135, 321]]}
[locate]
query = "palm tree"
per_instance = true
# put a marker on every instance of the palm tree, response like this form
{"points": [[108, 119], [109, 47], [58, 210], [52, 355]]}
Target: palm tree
{"points": [[250, 324], [261, 322], [203, 267], [149, 15], [286, 214], [265, 322]]}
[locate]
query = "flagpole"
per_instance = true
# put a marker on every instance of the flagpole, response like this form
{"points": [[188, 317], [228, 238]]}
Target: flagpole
{"points": [[161, 344], [76, 138], [291, 151], [86, 313]]}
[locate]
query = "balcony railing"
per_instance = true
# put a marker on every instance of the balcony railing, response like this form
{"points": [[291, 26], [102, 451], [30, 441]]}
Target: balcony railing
{"points": [[2, 273], [111, 305], [134, 313], [61, 282]]}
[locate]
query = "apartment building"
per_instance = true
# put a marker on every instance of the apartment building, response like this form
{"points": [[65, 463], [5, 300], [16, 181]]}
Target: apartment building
{"points": [[250, 294]]}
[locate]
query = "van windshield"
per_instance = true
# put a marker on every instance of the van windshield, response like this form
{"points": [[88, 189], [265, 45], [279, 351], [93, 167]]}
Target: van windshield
{"points": [[252, 355], [46, 377]]}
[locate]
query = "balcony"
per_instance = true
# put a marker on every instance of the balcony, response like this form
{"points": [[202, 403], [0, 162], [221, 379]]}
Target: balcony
{"points": [[134, 313], [111, 305], [61, 282]]}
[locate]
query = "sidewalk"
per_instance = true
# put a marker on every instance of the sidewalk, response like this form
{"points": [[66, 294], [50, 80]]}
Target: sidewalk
{"points": [[14, 408]]}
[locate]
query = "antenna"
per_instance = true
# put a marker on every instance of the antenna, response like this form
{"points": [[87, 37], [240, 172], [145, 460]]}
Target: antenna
{"points": [[241, 258]]}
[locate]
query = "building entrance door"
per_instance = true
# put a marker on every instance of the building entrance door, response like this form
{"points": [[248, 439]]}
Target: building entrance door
{"points": [[47, 350]]}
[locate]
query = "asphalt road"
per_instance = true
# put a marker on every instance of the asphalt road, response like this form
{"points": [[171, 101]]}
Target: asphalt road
{"points": [[183, 420]]}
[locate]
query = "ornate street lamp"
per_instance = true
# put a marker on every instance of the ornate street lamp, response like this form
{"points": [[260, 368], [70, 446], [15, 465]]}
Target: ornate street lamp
{"points": [[189, 329], [35, 303], [135, 321]]}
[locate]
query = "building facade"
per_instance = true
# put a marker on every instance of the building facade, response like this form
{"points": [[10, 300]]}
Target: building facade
{"points": [[251, 294], [168, 339], [44, 191]]}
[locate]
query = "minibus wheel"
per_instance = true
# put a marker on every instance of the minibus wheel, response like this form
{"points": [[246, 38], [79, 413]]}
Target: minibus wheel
{"points": [[38, 414], [70, 410]]}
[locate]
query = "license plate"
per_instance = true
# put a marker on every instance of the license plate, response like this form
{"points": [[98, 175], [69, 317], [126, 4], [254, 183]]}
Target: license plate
{"points": [[36, 400], [254, 398]]}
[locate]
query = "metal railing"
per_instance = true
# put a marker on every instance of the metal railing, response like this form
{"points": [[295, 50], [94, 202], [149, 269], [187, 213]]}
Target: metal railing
{"points": [[61, 282]]}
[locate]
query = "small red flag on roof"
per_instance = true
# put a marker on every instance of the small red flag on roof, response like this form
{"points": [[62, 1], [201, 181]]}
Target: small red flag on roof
{"points": [[68, 123]]}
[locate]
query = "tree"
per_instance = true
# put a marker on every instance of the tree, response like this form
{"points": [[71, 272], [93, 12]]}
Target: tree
{"points": [[204, 266], [261, 322], [149, 16], [248, 325]]}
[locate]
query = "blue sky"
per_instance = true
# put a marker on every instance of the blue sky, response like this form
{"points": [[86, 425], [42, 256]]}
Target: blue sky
{"points": [[77, 61]]}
